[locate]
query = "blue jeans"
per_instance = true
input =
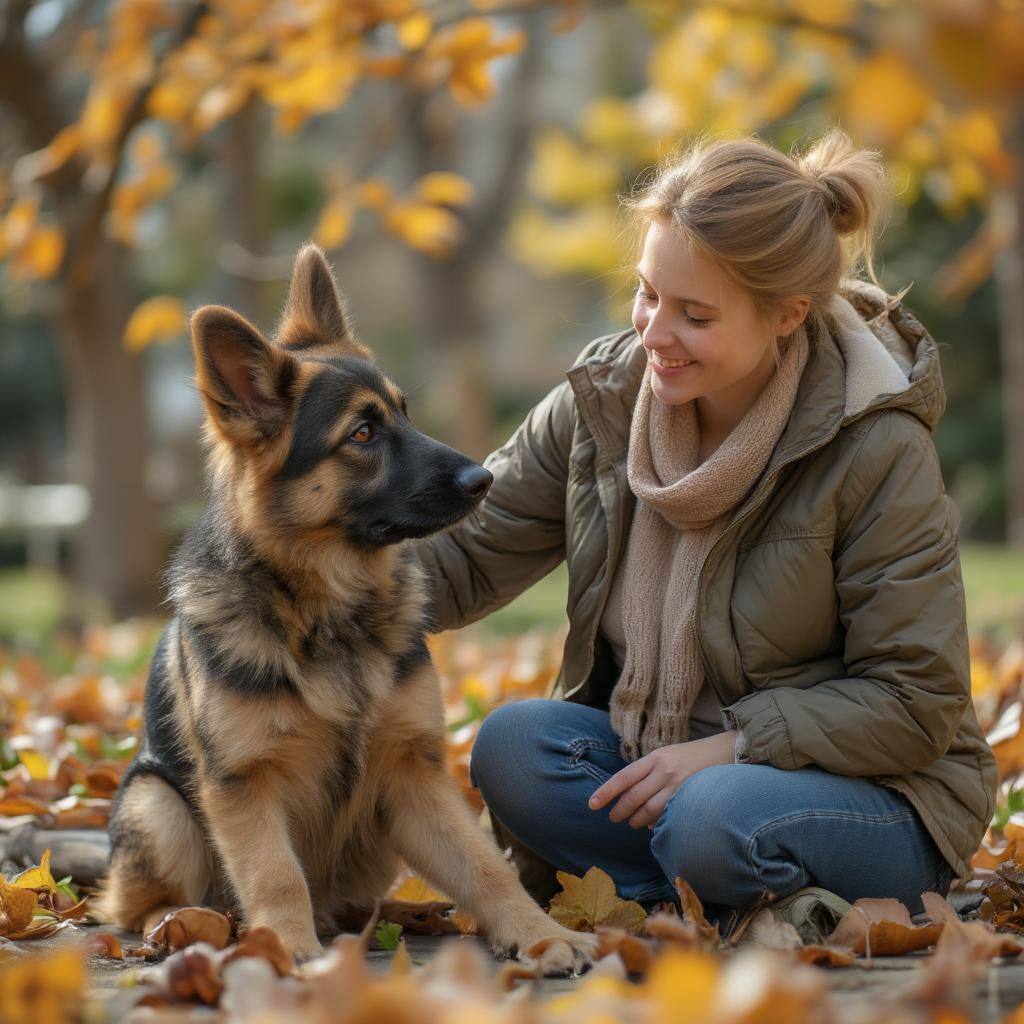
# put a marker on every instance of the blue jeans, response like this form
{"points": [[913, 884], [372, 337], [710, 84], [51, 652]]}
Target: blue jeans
{"points": [[732, 831]]}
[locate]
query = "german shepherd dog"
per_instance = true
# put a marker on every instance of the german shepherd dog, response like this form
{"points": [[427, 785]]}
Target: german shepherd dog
{"points": [[293, 751]]}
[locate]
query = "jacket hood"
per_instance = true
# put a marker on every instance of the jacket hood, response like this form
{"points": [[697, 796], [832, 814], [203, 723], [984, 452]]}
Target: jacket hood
{"points": [[876, 355], [891, 361]]}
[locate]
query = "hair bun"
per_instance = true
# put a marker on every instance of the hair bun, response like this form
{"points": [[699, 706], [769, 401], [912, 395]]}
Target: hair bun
{"points": [[851, 181]]}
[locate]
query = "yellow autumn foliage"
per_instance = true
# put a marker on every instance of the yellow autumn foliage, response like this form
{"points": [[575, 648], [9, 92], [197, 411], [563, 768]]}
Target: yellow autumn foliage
{"points": [[160, 318], [885, 99], [335, 224], [564, 173], [442, 188], [43, 989], [431, 229]]}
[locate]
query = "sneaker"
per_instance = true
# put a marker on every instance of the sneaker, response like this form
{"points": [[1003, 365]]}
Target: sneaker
{"points": [[814, 912]]}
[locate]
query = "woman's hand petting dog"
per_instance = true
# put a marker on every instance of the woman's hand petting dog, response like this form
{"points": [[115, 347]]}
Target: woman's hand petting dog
{"points": [[646, 786]]}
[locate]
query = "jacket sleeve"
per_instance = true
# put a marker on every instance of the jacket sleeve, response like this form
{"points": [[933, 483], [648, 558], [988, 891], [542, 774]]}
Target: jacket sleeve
{"points": [[901, 604], [517, 535]]}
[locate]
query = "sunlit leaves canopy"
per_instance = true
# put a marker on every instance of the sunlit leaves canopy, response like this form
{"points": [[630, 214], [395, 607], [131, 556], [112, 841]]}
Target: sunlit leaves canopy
{"points": [[931, 84]]}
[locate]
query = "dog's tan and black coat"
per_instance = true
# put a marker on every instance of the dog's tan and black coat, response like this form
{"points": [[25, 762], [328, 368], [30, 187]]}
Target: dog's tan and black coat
{"points": [[293, 752]]}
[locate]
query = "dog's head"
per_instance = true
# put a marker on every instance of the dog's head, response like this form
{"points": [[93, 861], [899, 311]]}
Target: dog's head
{"points": [[309, 438]]}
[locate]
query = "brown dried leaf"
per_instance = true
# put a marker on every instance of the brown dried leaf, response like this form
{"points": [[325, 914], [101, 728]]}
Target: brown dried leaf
{"points": [[587, 902], [263, 943], [767, 930], [429, 918], [180, 928], [192, 975], [12, 806], [40, 928], [882, 927], [672, 929], [635, 953], [104, 944], [693, 911], [979, 940], [401, 962], [16, 908], [825, 956]]}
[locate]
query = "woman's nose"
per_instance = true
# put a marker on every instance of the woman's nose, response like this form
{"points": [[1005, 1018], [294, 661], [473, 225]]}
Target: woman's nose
{"points": [[657, 333]]}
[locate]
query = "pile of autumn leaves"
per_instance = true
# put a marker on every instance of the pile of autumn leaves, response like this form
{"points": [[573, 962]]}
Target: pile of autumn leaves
{"points": [[71, 735]]}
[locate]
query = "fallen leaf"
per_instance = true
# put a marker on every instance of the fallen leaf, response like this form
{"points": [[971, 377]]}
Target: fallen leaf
{"points": [[38, 989], [587, 902], [882, 927], [636, 953], [264, 943], [977, 937], [104, 944], [16, 908], [825, 956], [768, 931], [192, 974], [180, 928], [693, 911], [37, 877], [430, 918]]}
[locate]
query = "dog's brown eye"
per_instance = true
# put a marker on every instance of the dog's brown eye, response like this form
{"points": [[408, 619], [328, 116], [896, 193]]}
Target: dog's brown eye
{"points": [[363, 433]]}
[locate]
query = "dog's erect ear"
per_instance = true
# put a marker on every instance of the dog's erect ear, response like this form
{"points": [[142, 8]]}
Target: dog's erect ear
{"points": [[245, 382], [314, 315]]}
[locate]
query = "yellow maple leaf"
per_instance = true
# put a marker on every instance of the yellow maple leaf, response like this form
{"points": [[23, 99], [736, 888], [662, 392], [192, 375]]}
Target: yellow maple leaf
{"points": [[885, 99], [161, 317], [37, 878], [564, 173], [43, 989], [415, 890], [467, 47], [587, 902], [38, 764], [415, 30], [442, 188], [335, 224], [431, 229], [681, 985]]}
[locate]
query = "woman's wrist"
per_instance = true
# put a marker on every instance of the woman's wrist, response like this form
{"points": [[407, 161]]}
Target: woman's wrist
{"points": [[721, 747]]}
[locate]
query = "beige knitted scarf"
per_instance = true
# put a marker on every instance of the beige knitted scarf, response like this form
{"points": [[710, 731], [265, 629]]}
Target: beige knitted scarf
{"points": [[681, 510]]}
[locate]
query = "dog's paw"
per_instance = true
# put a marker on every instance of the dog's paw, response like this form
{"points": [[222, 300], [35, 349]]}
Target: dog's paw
{"points": [[562, 953], [303, 947]]}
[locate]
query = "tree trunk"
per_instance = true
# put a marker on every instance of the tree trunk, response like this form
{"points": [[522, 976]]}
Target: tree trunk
{"points": [[1009, 272], [117, 548]]}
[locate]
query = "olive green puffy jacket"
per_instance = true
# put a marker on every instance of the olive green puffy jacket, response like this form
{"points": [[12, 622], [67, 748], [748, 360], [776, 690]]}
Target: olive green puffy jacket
{"points": [[830, 612]]}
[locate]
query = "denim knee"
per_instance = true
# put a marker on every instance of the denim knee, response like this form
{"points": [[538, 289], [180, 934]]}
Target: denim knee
{"points": [[698, 840], [499, 745]]}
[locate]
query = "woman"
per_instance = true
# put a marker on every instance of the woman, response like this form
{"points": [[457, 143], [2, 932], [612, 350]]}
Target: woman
{"points": [[766, 682]]}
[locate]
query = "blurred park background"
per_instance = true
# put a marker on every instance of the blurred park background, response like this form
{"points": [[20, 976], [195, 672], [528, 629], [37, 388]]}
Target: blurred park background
{"points": [[462, 164]]}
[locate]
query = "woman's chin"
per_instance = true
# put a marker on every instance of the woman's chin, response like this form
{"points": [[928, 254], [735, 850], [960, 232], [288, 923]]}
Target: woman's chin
{"points": [[672, 392]]}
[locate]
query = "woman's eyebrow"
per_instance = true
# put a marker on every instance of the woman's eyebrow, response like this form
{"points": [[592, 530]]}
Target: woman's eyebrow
{"points": [[681, 298]]}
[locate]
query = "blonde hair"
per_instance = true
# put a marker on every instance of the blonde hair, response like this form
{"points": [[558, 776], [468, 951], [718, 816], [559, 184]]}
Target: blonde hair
{"points": [[778, 225]]}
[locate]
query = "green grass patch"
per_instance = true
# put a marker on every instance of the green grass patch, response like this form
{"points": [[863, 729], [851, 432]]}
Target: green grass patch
{"points": [[994, 584], [32, 603]]}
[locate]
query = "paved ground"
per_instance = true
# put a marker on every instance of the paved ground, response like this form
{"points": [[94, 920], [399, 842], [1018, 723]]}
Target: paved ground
{"points": [[1000, 990]]}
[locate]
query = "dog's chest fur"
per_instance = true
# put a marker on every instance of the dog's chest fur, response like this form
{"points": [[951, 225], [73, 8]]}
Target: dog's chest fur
{"points": [[295, 682]]}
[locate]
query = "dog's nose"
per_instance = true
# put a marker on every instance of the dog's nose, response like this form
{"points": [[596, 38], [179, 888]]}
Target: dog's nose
{"points": [[474, 480]]}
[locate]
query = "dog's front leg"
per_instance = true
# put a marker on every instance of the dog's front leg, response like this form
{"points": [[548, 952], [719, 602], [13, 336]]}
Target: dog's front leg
{"points": [[249, 826], [434, 832]]}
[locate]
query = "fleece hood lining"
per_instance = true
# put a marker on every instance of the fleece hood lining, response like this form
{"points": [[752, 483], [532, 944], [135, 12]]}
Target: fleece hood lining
{"points": [[878, 358]]}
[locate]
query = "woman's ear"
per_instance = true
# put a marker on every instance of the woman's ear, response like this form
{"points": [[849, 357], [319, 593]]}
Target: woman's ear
{"points": [[791, 313]]}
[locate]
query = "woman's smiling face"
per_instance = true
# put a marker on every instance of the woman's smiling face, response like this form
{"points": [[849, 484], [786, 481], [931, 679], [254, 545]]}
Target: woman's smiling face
{"points": [[701, 331]]}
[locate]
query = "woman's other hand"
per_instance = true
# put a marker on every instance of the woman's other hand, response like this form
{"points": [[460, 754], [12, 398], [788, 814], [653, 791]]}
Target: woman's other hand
{"points": [[646, 786]]}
